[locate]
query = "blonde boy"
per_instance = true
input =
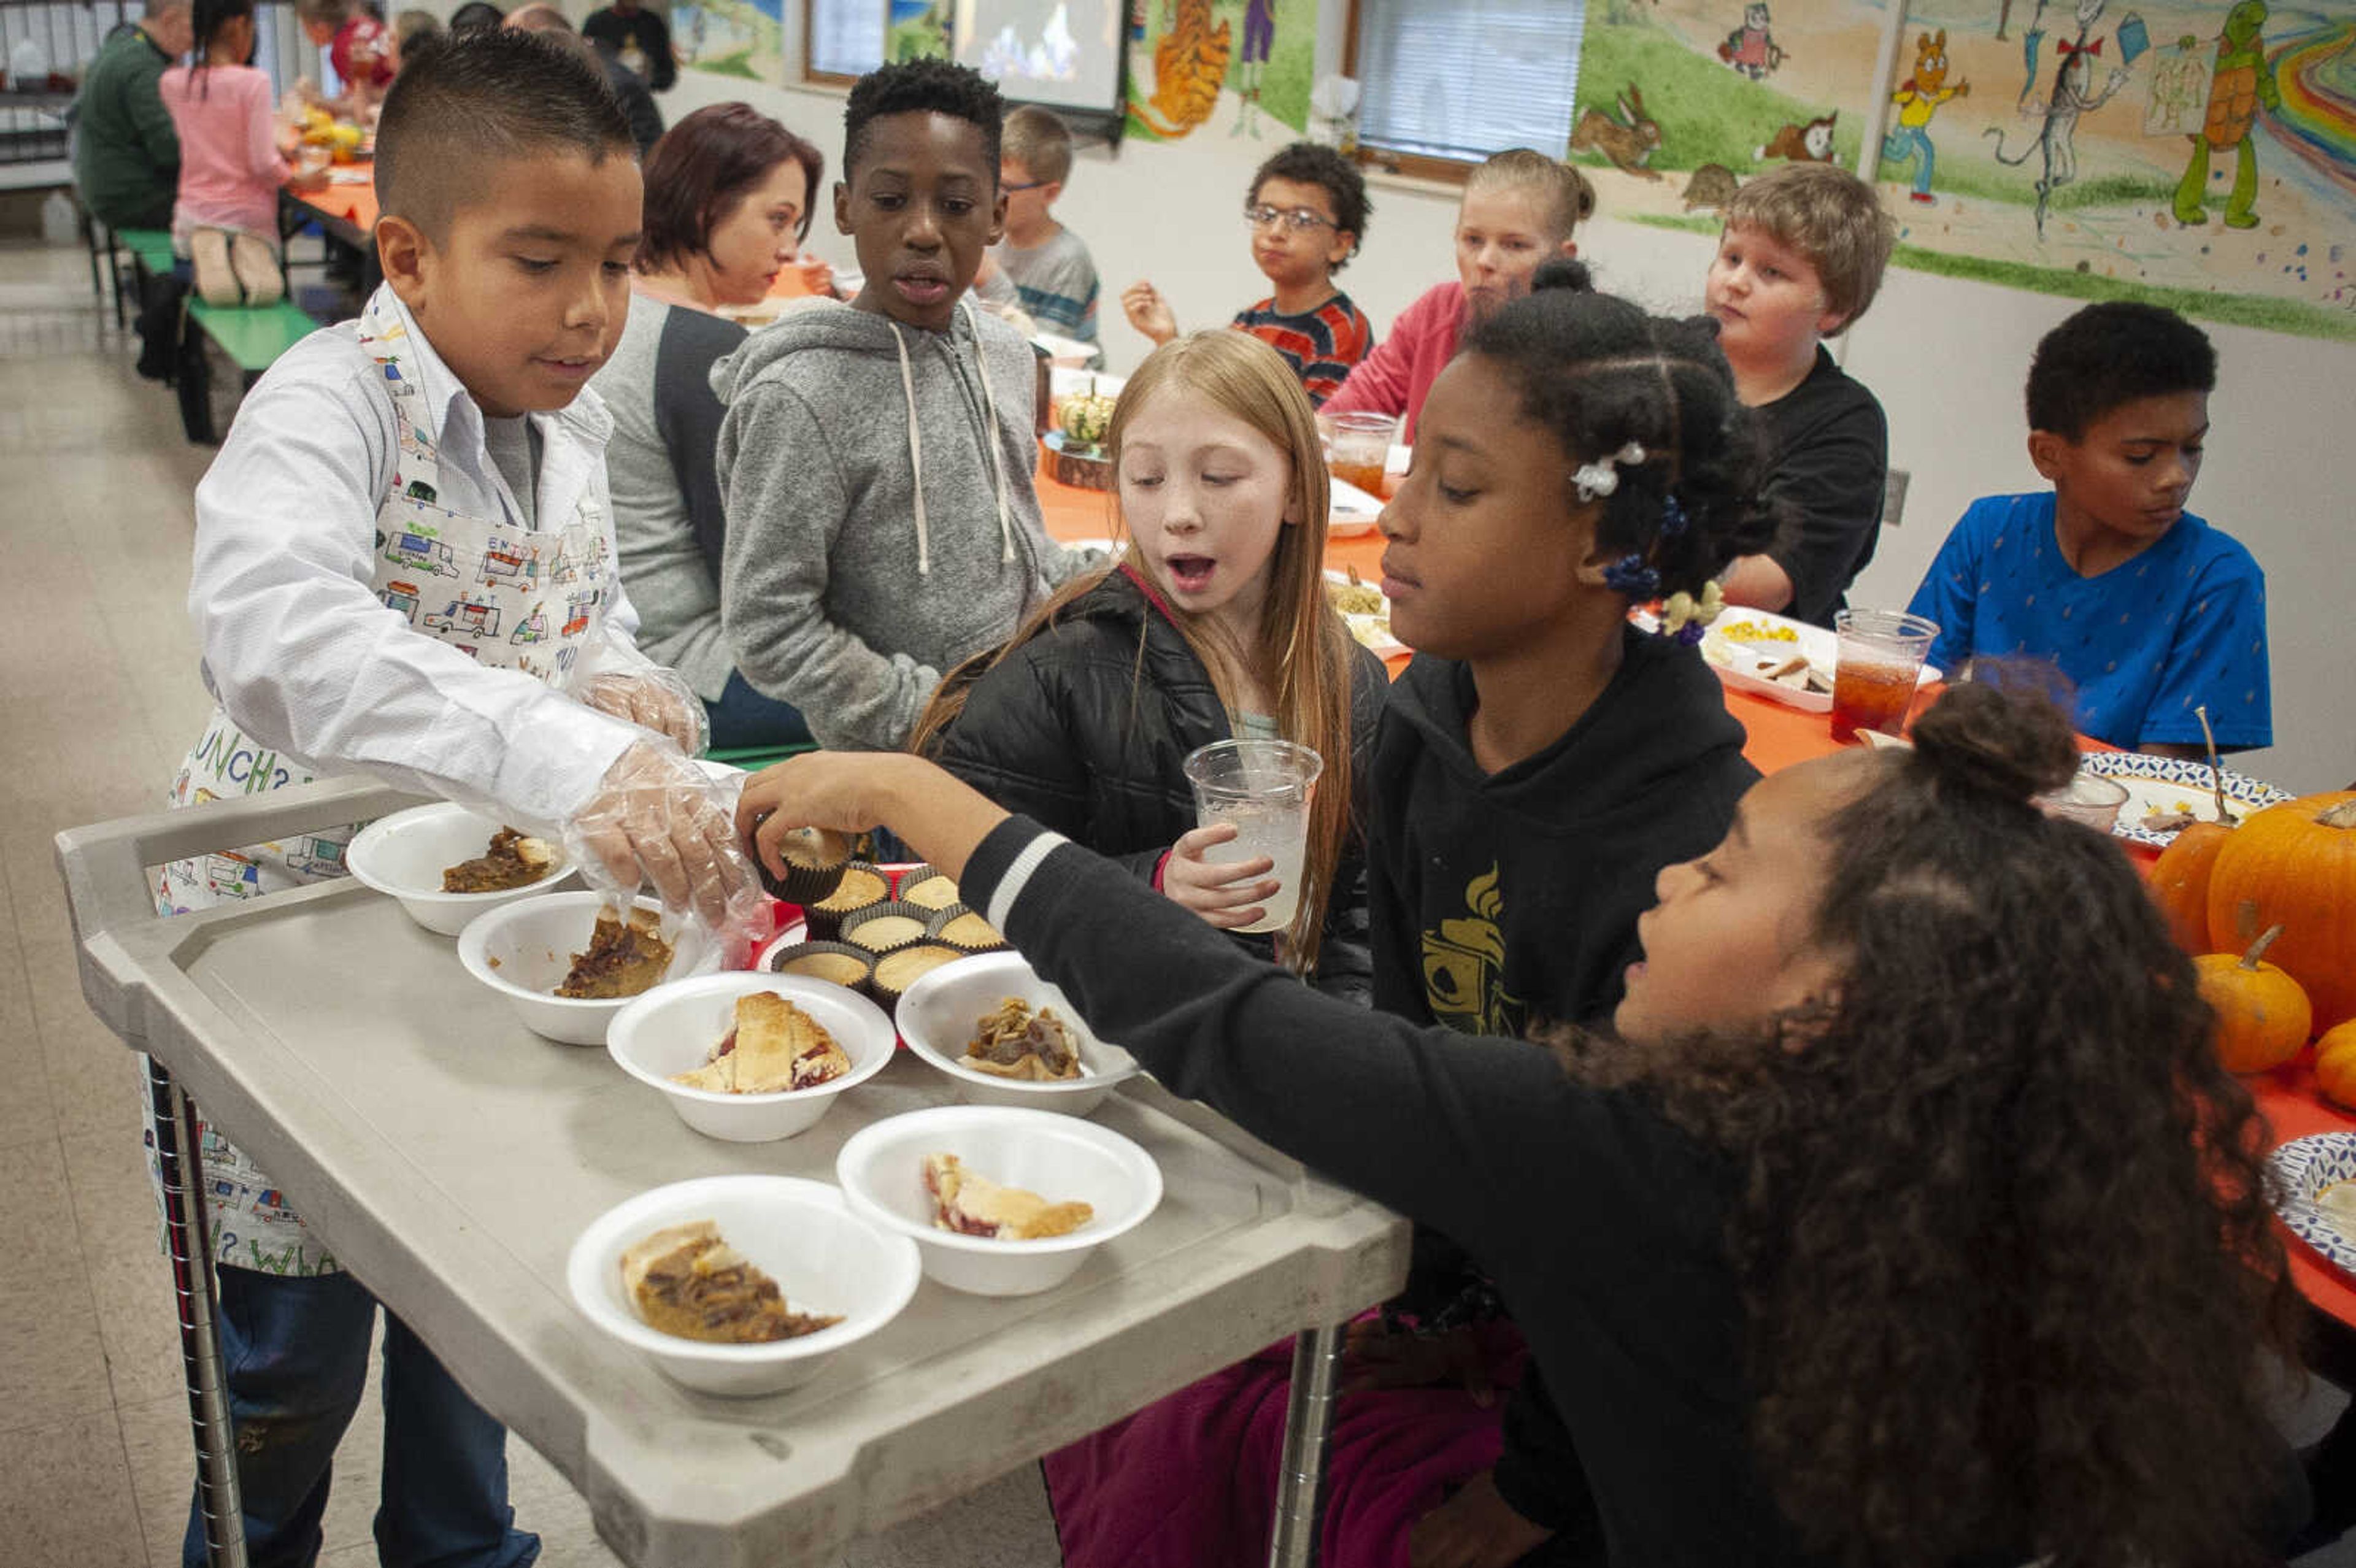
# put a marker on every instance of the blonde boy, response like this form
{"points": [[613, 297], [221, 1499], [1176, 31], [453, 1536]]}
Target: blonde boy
{"points": [[1799, 261], [1041, 265]]}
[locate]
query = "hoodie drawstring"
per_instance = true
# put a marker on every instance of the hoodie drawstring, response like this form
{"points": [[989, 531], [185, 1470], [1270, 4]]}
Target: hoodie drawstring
{"points": [[997, 456], [916, 454], [916, 446]]}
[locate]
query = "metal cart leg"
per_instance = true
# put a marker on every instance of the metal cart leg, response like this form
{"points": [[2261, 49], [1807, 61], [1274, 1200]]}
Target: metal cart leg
{"points": [[178, 1152], [1308, 1420]]}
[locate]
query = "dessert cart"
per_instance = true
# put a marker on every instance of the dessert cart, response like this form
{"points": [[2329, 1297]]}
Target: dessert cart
{"points": [[450, 1158]]}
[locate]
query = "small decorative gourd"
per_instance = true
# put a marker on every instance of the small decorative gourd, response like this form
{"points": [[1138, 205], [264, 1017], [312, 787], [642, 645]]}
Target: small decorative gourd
{"points": [[2263, 1017], [2294, 865], [2335, 1064], [1087, 420]]}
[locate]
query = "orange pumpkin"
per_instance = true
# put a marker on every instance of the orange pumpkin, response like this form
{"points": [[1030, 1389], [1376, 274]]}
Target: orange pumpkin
{"points": [[2179, 883], [2263, 1017], [2294, 865], [2334, 1063]]}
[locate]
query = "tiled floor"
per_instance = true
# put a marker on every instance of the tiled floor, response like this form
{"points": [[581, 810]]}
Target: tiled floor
{"points": [[99, 698]]}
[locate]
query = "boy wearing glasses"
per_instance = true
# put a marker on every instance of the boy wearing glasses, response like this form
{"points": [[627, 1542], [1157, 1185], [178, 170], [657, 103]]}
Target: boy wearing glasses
{"points": [[1041, 267], [1307, 212]]}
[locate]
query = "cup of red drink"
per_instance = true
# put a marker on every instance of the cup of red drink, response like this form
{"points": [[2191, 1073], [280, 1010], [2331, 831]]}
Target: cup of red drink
{"points": [[1360, 448], [1875, 672]]}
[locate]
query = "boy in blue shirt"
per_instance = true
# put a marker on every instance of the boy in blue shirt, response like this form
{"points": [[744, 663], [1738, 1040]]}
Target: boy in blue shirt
{"points": [[2151, 613]]}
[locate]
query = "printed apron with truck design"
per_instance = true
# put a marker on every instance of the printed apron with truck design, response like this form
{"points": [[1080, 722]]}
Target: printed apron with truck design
{"points": [[509, 597]]}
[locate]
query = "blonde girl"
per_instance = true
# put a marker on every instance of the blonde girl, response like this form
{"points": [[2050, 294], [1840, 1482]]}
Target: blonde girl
{"points": [[1212, 624]]}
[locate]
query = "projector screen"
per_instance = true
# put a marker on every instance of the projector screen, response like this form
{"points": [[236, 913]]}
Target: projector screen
{"points": [[1064, 53]]}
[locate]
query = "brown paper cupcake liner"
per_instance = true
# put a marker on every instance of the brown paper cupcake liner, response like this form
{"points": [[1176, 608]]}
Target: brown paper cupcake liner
{"points": [[863, 920], [906, 965], [936, 930], [851, 893], [780, 959], [916, 876], [806, 884]]}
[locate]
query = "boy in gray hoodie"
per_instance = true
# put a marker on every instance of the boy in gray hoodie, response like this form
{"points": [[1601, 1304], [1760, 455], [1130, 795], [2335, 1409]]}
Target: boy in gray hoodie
{"points": [[875, 462]]}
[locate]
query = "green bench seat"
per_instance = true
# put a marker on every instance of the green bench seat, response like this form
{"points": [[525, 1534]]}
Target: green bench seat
{"points": [[152, 247], [253, 337]]}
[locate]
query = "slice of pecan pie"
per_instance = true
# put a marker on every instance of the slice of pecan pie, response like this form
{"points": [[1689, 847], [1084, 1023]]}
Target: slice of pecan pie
{"points": [[686, 1281]]}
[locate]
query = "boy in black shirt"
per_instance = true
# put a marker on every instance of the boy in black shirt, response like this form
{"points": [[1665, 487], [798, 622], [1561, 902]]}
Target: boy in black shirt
{"points": [[1799, 261]]}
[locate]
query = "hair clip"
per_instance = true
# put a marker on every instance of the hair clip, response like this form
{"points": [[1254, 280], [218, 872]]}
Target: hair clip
{"points": [[1630, 576], [1684, 616], [1673, 517], [1602, 478]]}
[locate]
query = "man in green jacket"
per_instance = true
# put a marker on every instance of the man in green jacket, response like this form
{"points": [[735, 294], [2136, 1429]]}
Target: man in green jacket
{"points": [[126, 159]]}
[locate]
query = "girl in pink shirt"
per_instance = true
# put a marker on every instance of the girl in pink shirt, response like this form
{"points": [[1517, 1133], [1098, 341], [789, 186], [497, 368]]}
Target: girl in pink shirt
{"points": [[1520, 209], [233, 158]]}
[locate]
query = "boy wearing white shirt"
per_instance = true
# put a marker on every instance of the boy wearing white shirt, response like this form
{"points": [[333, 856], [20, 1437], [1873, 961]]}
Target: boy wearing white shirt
{"points": [[404, 567]]}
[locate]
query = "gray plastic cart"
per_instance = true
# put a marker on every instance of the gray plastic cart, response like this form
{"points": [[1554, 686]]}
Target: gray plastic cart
{"points": [[450, 1156]]}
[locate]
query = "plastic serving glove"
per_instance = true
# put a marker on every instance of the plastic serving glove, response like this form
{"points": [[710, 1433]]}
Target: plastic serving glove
{"points": [[653, 698], [657, 819]]}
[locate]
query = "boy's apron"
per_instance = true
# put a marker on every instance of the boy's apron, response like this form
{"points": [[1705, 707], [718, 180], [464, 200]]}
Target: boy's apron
{"points": [[511, 598]]}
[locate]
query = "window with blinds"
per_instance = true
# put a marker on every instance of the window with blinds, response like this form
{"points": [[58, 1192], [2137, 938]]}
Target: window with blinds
{"points": [[1463, 79], [845, 37]]}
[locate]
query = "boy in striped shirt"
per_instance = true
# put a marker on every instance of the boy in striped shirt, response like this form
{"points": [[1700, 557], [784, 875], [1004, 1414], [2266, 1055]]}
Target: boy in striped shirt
{"points": [[1308, 213]]}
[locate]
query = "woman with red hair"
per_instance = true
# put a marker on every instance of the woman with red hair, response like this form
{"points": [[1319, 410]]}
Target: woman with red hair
{"points": [[729, 193]]}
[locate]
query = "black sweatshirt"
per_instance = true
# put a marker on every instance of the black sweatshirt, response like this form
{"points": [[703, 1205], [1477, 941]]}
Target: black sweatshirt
{"points": [[1602, 1224], [1497, 901], [1830, 465]]}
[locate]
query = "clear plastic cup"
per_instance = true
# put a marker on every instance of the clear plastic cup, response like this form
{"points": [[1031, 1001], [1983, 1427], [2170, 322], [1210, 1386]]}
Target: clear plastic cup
{"points": [[1875, 671], [1264, 789], [2091, 798], [1361, 448]]}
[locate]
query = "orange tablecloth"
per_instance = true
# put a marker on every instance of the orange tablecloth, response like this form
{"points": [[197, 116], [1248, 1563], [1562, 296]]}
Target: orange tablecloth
{"points": [[354, 204], [1781, 737]]}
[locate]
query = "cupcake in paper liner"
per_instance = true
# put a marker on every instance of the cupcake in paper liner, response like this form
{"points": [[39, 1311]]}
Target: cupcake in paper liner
{"points": [[903, 966], [964, 930], [837, 962], [932, 889], [858, 885], [881, 927], [815, 860]]}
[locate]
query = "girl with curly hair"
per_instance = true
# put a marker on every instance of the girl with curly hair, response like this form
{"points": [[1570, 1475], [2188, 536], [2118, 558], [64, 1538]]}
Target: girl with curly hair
{"points": [[1905, 1215]]}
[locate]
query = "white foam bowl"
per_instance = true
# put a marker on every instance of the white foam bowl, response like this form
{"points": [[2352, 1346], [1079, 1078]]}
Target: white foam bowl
{"points": [[673, 1028], [800, 1233], [939, 1013], [404, 855], [523, 951], [1062, 1158]]}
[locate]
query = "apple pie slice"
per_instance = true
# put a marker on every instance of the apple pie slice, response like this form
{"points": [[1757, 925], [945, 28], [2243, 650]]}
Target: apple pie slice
{"points": [[686, 1281], [774, 1047], [975, 1206]]}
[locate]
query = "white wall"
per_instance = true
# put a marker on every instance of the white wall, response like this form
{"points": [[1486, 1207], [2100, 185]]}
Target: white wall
{"points": [[1946, 357]]}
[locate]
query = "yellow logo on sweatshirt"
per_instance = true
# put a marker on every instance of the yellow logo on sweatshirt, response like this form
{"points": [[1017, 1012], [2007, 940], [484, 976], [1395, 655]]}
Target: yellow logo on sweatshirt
{"points": [[1465, 966]]}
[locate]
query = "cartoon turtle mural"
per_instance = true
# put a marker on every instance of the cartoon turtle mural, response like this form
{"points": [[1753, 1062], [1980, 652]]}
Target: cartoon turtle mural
{"points": [[2242, 79]]}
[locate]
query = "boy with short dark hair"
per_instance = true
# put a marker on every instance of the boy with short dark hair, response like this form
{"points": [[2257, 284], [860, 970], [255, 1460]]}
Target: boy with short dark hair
{"points": [[2152, 614], [1041, 266], [875, 462], [1307, 213], [404, 568], [1800, 258]]}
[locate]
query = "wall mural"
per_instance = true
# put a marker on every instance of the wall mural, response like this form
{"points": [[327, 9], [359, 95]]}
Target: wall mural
{"points": [[730, 38], [2199, 153]]}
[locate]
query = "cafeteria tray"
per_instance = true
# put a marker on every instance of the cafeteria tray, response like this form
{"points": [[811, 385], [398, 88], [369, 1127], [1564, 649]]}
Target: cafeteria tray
{"points": [[449, 1158]]}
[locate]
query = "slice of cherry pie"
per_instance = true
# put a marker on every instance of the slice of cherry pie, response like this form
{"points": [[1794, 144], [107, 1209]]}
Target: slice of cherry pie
{"points": [[975, 1206]]}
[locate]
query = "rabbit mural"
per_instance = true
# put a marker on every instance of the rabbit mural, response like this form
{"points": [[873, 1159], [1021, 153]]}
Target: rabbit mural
{"points": [[1629, 141]]}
